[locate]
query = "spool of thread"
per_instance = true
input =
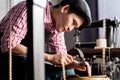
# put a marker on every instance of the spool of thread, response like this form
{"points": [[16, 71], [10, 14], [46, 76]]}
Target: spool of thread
{"points": [[101, 43]]}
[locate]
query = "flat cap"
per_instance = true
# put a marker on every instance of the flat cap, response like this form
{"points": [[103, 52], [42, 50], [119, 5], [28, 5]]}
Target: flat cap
{"points": [[86, 12], [81, 7]]}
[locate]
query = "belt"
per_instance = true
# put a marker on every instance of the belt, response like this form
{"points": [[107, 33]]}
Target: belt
{"points": [[52, 67], [5, 56]]}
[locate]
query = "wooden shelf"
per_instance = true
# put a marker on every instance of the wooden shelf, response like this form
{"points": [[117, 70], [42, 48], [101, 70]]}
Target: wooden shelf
{"points": [[112, 52]]}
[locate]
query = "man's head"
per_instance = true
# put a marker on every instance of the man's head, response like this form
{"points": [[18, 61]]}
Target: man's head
{"points": [[73, 14]]}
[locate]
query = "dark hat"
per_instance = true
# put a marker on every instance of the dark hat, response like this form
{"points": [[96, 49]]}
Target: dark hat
{"points": [[81, 8], [82, 4]]}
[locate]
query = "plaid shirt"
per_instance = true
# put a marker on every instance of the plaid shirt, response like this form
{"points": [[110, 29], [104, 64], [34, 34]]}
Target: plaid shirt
{"points": [[57, 42], [16, 18]]}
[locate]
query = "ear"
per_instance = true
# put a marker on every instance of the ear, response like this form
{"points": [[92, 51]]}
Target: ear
{"points": [[65, 9]]}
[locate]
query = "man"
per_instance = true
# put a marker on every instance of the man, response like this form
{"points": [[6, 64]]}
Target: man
{"points": [[62, 17], [65, 16]]}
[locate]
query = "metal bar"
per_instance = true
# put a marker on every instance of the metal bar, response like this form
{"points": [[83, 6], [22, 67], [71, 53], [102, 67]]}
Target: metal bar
{"points": [[38, 38]]}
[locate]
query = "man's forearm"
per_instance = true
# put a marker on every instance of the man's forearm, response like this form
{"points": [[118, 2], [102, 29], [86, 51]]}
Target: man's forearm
{"points": [[20, 50]]}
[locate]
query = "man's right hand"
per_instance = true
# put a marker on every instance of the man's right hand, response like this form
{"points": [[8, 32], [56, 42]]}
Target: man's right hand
{"points": [[59, 58]]}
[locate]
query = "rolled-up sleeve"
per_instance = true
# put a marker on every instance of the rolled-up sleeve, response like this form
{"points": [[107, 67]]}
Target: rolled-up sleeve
{"points": [[16, 28]]}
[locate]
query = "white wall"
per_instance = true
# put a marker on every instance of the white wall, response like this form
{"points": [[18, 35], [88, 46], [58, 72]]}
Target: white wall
{"points": [[109, 9], [3, 8], [16, 1], [5, 5]]}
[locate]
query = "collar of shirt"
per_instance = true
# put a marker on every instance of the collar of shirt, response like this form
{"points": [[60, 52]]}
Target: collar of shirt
{"points": [[48, 20]]}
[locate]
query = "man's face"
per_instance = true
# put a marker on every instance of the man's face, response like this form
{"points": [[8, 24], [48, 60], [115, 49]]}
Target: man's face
{"points": [[67, 21]]}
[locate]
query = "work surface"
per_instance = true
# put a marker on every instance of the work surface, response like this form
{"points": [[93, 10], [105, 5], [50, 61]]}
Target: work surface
{"points": [[113, 52]]}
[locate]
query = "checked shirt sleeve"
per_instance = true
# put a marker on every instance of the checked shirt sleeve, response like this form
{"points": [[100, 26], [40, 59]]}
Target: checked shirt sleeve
{"points": [[16, 19]]}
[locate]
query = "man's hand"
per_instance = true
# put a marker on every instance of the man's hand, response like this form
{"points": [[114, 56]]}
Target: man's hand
{"points": [[59, 58], [68, 61], [81, 66]]}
